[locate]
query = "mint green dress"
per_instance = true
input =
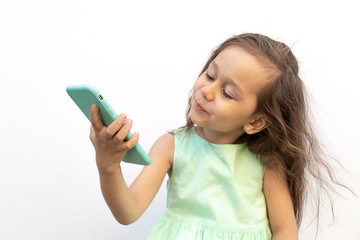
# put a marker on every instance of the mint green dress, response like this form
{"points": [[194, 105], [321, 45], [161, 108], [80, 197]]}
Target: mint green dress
{"points": [[215, 192]]}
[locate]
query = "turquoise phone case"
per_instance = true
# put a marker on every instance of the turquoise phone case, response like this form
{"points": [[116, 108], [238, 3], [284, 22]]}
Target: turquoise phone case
{"points": [[86, 95]]}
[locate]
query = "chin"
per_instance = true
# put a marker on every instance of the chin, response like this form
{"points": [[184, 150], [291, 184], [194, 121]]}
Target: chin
{"points": [[193, 118], [197, 122]]}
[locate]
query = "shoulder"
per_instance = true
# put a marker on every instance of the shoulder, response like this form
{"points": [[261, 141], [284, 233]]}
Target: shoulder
{"points": [[273, 178], [163, 148], [167, 139]]}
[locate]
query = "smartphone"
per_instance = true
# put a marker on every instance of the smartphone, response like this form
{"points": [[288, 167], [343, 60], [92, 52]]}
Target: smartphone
{"points": [[86, 95]]}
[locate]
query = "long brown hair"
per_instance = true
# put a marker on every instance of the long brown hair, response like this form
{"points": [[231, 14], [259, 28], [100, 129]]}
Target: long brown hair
{"points": [[289, 142]]}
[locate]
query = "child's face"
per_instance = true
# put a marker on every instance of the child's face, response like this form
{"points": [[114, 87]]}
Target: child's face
{"points": [[224, 97]]}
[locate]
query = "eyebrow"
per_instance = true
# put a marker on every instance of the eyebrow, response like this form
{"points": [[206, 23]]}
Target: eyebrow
{"points": [[232, 82]]}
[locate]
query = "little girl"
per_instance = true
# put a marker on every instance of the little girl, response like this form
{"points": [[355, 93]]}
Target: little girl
{"points": [[237, 169]]}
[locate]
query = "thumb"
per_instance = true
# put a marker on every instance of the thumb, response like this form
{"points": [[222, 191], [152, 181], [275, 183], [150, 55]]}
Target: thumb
{"points": [[95, 119]]}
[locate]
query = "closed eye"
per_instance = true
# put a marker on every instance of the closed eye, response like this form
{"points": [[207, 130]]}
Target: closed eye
{"points": [[209, 77], [226, 94]]}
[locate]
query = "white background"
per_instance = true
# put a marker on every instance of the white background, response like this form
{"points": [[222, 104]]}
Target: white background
{"points": [[144, 57]]}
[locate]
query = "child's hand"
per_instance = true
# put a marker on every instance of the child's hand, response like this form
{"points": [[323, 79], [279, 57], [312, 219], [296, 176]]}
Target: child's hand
{"points": [[109, 141]]}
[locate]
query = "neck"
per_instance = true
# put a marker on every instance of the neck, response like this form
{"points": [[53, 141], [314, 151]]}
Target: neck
{"points": [[218, 137]]}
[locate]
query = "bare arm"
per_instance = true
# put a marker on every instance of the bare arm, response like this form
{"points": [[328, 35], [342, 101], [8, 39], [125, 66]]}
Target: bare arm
{"points": [[127, 204], [279, 205]]}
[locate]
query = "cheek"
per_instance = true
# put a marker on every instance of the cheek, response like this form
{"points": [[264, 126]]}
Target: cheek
{"points": [[197, 82], [228, 112], [251, 105], [200, 81], [238, 113], [248, 110]]}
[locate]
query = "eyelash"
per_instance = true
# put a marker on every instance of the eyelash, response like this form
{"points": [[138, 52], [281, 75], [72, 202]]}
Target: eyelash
{"points": [[209, 77], [225, 94]]}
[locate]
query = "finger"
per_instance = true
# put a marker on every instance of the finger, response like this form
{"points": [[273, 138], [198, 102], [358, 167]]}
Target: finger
{"points": [[124, 131], [115, 126], [131, 142], [92, 133], [95, 119]]}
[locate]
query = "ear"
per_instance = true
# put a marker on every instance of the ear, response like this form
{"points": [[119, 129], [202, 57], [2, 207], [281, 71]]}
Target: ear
{"points": [[255, 126]]}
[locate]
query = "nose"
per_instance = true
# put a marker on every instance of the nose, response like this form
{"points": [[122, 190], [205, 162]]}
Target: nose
{"points": [[208, 92]]}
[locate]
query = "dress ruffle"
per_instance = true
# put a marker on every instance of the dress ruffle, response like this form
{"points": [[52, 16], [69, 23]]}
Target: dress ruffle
{"points": [[168, 229]]}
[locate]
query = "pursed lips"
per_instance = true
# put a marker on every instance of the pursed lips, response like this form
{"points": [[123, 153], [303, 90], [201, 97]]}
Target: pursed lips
{"points": [[198, 106]]}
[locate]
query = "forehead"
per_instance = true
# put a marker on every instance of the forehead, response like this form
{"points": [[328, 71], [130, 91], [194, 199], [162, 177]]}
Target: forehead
{"points": [[234, 57], [240, 66]]}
